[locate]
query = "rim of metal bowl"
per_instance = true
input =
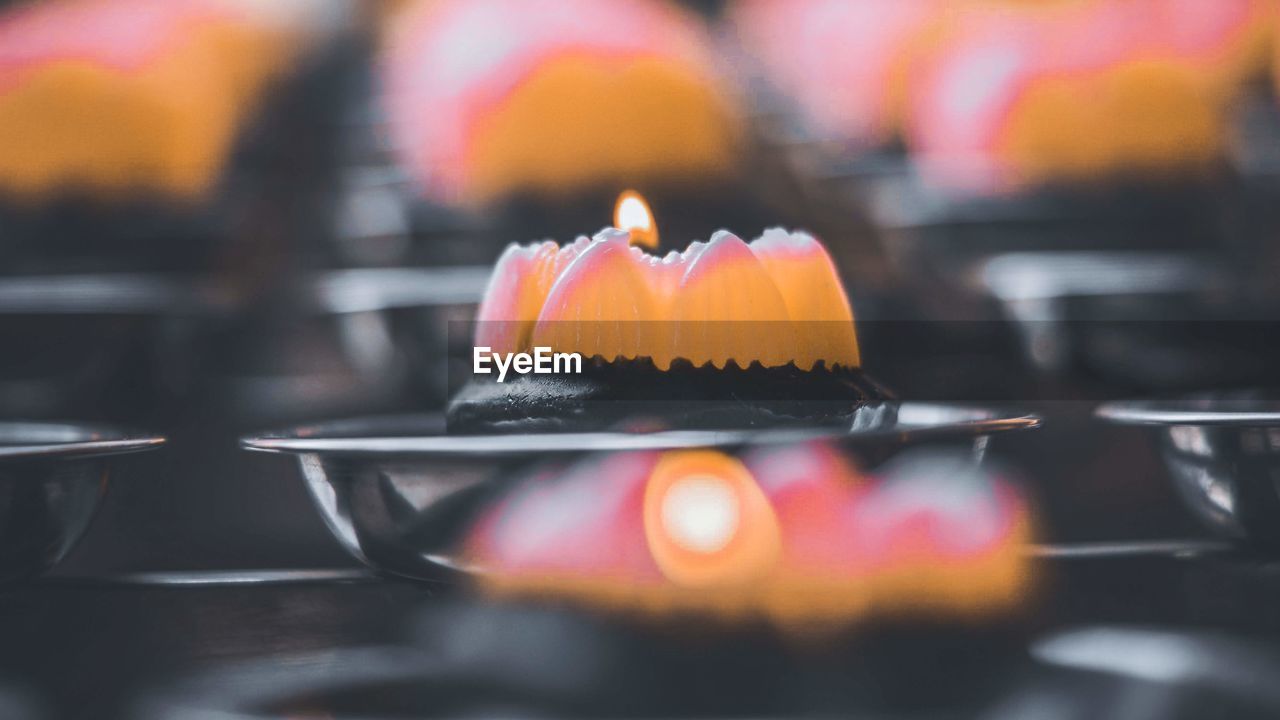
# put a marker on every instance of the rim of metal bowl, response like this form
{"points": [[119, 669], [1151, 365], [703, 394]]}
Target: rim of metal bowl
{"points": [[335, 292], [1211, 409], [342, 292], [30, 440], [109, 294], [916, 421]]}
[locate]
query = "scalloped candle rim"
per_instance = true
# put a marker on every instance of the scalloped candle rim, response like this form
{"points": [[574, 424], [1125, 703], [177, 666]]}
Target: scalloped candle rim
{"points": [[774, 301]]}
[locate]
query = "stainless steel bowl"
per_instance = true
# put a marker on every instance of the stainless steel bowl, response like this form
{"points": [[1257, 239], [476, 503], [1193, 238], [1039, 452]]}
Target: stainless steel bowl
{"points": [[52, 477], [1223, 453], [398, 492], [107, 347], [352, 342], [1067, 305]]}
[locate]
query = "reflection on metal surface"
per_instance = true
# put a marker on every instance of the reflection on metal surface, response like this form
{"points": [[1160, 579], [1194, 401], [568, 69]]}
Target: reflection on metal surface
{"points": [[1218, 451], [1167, 548], [398, 493], [55, 440], [1245, 409], [1203, 659], [1036, 289], [1057, 275], [424, 434], [367, 290], [1141, 673], [222, 578], [52, 478], [107, 294], [1190, 439]]}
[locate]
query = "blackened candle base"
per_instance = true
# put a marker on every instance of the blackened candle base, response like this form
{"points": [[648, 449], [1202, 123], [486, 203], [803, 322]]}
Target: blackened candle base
{"points": [[636, 395]]}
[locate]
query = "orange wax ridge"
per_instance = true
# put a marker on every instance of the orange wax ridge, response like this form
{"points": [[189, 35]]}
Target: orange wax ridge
{"points": [[774, 301], [566, 96], [115, 96], [797, 534]]}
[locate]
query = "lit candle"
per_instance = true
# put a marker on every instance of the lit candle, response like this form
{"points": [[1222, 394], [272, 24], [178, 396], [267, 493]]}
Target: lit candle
{"points": [[721, 320], [774, 301], [633, 214]]}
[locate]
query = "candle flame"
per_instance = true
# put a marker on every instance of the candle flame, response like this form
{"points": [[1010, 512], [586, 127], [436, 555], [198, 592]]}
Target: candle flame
{"points": [[632, 214]]}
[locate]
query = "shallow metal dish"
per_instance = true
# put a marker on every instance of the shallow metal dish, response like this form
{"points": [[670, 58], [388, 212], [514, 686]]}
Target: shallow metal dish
{"points": [[371, 340], [397, 492], [1135, 318], [92, 342], [1223, 452], [52, 477]]}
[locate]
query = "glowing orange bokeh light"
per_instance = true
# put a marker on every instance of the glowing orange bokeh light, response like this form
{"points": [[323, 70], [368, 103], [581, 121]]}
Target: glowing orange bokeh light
{"points": [[707, 523]]}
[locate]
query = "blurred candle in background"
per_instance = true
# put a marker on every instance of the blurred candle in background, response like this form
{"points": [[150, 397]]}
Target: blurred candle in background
{"points": [[1010, 94], [127, 97], [843, 62], [488, 98]]}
